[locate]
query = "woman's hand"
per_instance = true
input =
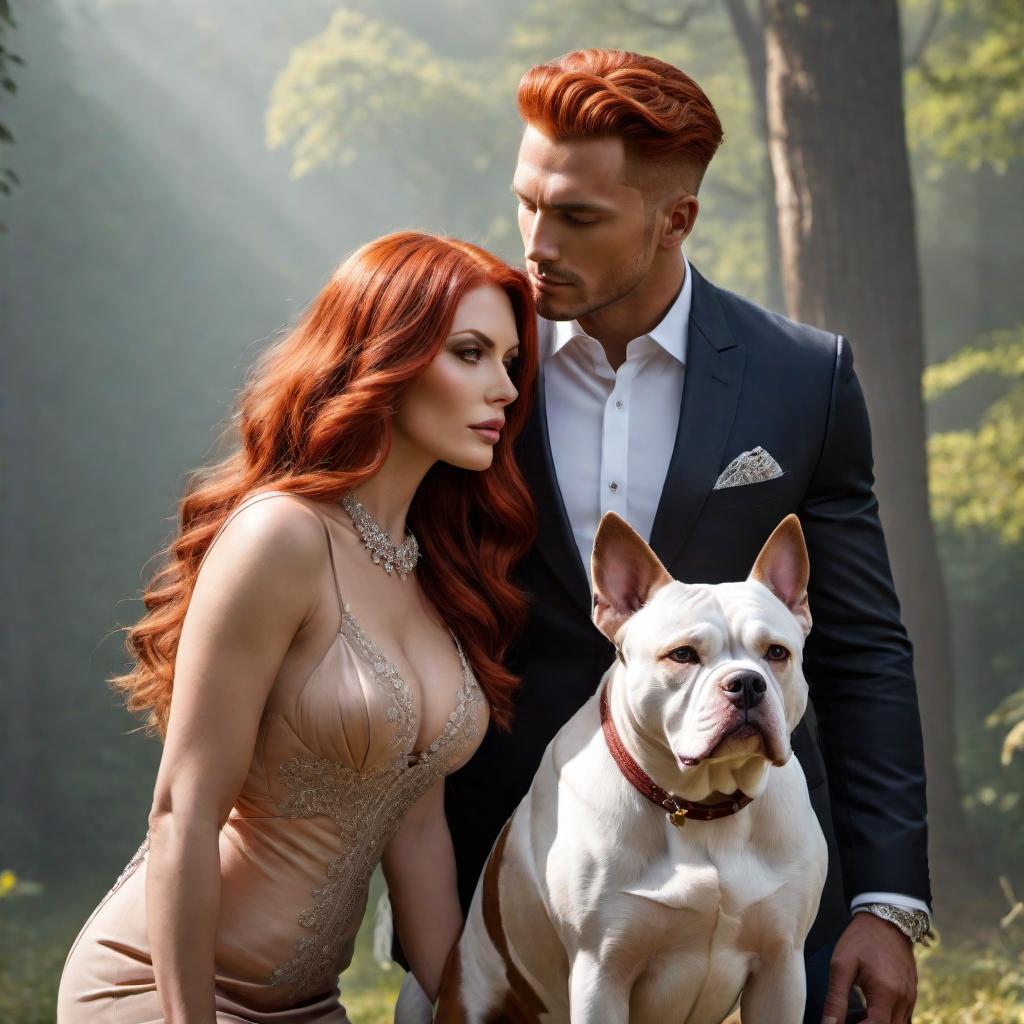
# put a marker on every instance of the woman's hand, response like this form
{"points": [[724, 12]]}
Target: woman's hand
{"points": [[255, 591]]}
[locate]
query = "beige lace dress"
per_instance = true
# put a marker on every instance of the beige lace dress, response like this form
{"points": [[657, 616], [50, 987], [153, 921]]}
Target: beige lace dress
{"points": [[332, 774]]}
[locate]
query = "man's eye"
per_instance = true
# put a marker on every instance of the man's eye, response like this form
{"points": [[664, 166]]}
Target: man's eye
{"points": [[776, 652], [578, 220], [685, 656]]}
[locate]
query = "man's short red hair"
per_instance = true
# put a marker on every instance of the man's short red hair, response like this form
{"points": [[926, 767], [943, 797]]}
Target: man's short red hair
{"points": [[660, 113]]}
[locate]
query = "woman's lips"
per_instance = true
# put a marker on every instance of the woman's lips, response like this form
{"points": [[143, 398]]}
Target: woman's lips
{"points": [[490, 434], [489, 430]]}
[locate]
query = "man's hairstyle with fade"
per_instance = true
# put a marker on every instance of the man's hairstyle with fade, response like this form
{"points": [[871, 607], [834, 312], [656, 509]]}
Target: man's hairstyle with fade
{"points": [[662, 115]]}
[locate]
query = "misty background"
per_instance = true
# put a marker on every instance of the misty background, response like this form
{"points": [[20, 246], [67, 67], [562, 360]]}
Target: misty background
{"points": [[181, 178]]}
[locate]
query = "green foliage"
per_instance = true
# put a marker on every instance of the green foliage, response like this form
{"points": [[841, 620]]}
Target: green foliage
{"points": [[977, 476], [365, 85], [1010, 713], [339, 91], [967, 91], [977, 495]]}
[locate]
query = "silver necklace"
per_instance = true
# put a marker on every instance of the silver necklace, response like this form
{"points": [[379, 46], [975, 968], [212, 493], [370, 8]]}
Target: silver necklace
{"points": [[400, 559]]}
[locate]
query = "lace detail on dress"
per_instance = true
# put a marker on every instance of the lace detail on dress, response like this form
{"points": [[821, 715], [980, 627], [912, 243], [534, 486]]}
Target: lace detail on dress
{"points": [[384, 673], [137, 858], [366, 807]]}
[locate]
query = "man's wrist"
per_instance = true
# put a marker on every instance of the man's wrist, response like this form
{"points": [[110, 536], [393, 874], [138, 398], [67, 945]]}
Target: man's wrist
{"points": [[915, 924]]}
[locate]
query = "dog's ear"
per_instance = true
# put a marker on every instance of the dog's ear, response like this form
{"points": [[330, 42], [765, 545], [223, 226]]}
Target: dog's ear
{"points": [[625, 571], [784, 568]]}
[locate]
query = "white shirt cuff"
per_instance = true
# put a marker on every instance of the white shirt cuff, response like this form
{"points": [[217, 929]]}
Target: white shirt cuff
{"points": [[894, 899]]}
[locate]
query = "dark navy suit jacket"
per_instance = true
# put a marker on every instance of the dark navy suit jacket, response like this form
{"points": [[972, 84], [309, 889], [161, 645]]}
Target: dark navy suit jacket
{"points": [[752, 378]]}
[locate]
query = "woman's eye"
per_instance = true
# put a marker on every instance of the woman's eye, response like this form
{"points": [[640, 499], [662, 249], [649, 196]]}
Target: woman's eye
{"points": [[776, 652], [685, 656], [470, 355]]}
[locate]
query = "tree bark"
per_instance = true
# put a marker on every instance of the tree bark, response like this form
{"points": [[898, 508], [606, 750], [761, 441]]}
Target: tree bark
{"points": [[849, 264]]}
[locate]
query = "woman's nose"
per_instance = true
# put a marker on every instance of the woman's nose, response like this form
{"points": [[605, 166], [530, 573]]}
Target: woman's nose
{"points": [[504, 391]]}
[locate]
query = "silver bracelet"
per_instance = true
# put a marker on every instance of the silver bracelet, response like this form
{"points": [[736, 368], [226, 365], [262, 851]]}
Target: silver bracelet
{"points": [[913, 923]]}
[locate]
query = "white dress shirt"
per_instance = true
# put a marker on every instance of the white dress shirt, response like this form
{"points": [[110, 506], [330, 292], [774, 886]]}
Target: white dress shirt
{"points": [[612, 435]]}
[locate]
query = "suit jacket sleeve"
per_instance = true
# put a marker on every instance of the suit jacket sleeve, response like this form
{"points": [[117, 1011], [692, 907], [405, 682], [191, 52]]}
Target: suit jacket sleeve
{"points": [[859, 663]]}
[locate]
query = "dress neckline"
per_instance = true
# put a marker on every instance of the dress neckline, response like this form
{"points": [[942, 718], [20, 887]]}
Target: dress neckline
{"points": [[382, 666]]}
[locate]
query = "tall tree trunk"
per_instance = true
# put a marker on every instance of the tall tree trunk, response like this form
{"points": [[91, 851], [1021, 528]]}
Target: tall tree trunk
{"points": [[849, 263]]}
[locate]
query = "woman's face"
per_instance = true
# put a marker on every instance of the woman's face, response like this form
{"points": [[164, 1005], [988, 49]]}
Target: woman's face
{"points": [[455, 411]]}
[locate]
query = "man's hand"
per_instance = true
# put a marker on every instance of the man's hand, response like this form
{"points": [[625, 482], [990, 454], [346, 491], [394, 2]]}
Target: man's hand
{"points": [[880, 959]]}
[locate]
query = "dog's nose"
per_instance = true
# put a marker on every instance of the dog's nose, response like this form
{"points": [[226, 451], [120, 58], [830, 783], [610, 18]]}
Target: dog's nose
{"points": [[744, 689]]}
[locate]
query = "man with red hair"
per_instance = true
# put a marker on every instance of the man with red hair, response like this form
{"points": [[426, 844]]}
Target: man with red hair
{"points": [[703, 420]]}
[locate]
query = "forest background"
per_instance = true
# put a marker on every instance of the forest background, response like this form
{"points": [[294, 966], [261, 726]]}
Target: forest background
{"points": [[179, 180]]}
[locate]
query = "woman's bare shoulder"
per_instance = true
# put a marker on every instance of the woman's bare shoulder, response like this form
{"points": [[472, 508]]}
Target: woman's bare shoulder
{"points": [[275, 535]]}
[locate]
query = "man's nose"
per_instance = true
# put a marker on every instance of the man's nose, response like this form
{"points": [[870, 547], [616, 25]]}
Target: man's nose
{"points": [[745, 689], [539, 243]]}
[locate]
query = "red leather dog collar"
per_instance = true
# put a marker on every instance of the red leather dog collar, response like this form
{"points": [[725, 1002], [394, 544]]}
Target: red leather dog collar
{"points": [[679, 810]]}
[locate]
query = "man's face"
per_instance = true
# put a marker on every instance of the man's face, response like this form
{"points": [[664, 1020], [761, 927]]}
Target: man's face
{"points": [[588, 236]]}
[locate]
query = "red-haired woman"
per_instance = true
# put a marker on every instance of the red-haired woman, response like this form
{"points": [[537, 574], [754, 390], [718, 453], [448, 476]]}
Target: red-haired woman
{"points": [[323, 647]]}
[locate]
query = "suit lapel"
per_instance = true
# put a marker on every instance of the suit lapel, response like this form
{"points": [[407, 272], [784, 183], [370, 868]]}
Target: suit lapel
{"points": [[555, 539], [714, 372]]}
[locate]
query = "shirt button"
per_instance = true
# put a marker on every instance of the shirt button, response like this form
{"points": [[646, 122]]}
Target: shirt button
{"points": [[613, 486], [618, 405]]}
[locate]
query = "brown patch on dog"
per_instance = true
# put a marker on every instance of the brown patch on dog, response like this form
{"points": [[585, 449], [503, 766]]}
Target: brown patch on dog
{"points": [[450, 1007], [521, 1004]]}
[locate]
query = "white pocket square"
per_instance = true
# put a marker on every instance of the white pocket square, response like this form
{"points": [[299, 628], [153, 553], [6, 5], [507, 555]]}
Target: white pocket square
{"points": [[751, 467]]}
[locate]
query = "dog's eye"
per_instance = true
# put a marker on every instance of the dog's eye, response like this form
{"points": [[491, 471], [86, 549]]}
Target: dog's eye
{"points": [[685, 656], [776, 652]]}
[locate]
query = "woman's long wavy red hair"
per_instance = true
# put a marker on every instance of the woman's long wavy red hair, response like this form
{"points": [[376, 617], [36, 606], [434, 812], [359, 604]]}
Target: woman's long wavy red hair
{"points": [[315, 420]]}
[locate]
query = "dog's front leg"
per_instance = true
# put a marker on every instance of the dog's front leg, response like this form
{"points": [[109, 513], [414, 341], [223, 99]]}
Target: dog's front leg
{"points": [[777, 990], [595, 995]]}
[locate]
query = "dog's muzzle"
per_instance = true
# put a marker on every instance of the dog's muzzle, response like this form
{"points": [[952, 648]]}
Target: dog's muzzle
{"points": [[678, 810]]}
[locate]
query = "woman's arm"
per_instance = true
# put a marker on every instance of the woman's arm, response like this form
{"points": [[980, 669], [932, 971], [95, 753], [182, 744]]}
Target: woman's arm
{"points": [[255, 591], [419, 865]]}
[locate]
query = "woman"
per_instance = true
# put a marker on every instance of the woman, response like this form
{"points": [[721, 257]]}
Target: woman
{"points": [[314, 679]]}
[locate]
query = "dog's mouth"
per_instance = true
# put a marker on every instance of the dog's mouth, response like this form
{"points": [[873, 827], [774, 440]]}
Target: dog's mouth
{"points": [[743, 736]]}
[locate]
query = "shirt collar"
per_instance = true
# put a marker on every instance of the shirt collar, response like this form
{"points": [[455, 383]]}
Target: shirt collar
{"points": [[671, 334]]}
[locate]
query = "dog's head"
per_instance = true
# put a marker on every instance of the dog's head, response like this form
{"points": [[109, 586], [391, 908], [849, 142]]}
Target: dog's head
{"points": [[710, 672]]}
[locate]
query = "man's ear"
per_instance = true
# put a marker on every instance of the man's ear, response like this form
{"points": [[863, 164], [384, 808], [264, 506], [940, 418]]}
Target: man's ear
{"points": [[626, 574], [784, 568], [682, 217]]}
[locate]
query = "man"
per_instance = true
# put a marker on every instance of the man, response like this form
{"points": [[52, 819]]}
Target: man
{"points": [[703, 420]]}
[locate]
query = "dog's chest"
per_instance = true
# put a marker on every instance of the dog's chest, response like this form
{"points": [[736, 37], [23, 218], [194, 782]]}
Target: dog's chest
{"points": [[694, 886], [689, 915]]}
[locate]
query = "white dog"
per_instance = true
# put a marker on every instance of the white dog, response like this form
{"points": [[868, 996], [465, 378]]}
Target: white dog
{"points": [[666, 862]]}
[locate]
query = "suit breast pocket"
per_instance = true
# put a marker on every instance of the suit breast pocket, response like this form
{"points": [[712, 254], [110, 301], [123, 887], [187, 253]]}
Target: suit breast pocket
{"points": [[749, 495]]}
